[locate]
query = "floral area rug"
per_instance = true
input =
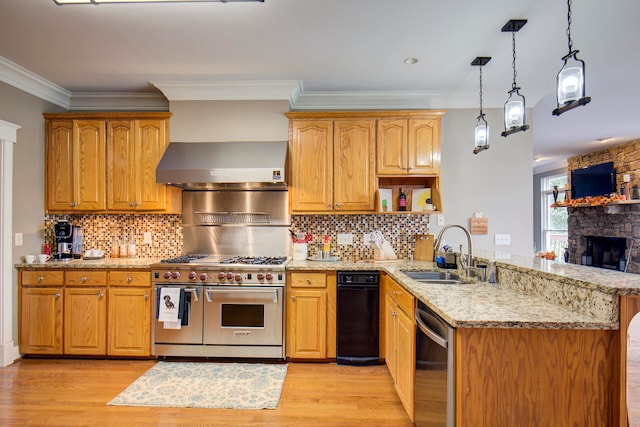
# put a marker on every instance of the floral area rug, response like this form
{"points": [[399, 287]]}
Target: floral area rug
{"points": [[206, 385]]}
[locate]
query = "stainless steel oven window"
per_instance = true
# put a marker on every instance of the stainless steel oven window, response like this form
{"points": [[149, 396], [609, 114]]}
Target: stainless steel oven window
{"points": [[243, 315]]}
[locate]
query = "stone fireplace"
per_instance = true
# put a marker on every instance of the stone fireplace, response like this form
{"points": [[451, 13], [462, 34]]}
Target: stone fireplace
{"points": [[605, 236]]}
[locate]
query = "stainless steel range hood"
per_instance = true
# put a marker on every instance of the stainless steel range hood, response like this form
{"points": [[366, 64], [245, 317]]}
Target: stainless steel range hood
{"points": [[218, 165]]}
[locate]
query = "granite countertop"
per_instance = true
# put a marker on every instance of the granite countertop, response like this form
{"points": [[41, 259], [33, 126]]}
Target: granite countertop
{"points": [[119, 263], [475, 305]]}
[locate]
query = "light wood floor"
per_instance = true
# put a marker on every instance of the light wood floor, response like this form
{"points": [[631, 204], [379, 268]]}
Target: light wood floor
{"points": [[42, 392]]}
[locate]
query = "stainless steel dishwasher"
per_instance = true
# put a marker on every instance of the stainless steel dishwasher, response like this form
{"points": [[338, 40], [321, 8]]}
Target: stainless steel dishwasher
{"points": [[357, 323], [434, 392]]}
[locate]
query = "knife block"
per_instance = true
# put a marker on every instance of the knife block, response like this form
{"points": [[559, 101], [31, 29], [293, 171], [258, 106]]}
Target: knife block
{"points": [[424, 247]]}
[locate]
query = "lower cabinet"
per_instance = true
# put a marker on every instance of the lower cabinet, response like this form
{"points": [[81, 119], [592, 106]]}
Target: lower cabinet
{"points": [[82, 312], [400, 341], [310, 316]]}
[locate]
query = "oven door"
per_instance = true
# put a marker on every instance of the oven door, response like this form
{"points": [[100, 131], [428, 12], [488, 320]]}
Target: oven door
{"points": [[190, 331], [243, 315]]}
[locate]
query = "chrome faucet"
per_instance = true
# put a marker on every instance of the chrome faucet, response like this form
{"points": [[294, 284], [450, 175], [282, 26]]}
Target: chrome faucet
{"points": [[469, 267]]}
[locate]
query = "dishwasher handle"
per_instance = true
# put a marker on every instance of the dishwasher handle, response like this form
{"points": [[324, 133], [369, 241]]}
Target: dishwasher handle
{"points": [[434, 336]]}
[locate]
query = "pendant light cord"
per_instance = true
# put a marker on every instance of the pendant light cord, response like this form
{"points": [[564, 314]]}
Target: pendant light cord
{"points": [[570, 42], [481, 114], [513, 64]]}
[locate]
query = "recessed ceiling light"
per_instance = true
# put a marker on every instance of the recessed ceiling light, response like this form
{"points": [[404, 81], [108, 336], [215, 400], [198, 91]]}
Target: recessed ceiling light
{"points": [[410, 61]]}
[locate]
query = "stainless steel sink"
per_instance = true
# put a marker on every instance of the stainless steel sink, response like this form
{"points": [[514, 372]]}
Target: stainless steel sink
{"points": [[438, 277]]}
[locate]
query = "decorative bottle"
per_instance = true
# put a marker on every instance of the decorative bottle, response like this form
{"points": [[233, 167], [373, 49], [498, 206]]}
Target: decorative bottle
{"points": [[402, 201]]}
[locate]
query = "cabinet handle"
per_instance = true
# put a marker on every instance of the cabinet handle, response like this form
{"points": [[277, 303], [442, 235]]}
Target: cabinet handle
{"points": [[83, 279], [308, 281], [338, 205], [146, 297], [40, 278], [57, 295], [328, 205], [73, 204], [129, 279], [100, 295], [131, 204], [393, 313], [293, 297]]}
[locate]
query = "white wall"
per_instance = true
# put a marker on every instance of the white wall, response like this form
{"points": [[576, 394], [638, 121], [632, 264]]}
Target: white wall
{"points": [[496, 182]]}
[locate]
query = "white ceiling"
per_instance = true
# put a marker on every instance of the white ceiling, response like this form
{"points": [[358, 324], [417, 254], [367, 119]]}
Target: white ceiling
{"points": [[349, 49]]}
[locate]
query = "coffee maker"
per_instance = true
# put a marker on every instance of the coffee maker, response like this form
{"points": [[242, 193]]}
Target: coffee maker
{"points": [[63, 232]]}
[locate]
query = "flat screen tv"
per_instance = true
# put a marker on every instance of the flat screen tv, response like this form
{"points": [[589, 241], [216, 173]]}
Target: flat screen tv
{"points": [[596, 180]]}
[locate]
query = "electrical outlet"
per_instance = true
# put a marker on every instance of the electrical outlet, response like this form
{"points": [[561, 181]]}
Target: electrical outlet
{"points": [[503, 239], [147, 238], [367, 239], [18, 239], [345, 238], [440, 219]]}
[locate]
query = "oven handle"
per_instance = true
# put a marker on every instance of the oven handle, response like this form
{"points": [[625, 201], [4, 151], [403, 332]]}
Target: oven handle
{"points": [[209, 291], [193, 291]]}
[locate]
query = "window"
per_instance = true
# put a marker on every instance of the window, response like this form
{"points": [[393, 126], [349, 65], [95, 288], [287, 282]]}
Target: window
{"points": [[555, 234]]}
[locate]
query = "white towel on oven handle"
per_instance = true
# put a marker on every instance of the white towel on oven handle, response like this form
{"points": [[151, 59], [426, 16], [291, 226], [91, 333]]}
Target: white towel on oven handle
{"points": [[169, 306]]}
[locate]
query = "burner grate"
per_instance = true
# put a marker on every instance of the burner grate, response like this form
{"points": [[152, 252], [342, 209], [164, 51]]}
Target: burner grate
{"points": [[255, 260], [183, 259]]}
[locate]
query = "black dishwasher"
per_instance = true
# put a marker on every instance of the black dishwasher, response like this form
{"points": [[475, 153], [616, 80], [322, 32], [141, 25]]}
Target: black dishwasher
{"points": [[357, 323]]}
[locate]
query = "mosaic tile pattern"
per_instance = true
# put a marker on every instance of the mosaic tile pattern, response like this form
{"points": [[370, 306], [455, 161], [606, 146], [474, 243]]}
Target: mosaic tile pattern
{"points": [[99, 231], [399, 230]]}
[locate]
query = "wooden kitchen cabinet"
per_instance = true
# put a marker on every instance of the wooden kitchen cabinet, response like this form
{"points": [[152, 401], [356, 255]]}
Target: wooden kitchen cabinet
{"points": [[332, 165], [400, 341], [134, 148], [75, 166], [129, 317], [408, 146], [310, 315], [41, 320], [629, 309], [85, 321], [107, 162]]}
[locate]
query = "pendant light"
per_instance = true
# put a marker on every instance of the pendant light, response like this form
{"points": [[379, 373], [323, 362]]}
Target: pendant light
{"points": [[481, 136], [515, 107], [570, 80]]}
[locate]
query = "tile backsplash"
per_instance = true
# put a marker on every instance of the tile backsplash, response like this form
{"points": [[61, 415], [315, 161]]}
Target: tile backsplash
{"points": [[400, 230], [99, 231]]}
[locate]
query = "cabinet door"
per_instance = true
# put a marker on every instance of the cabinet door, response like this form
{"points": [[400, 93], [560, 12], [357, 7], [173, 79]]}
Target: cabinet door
{"points": [[392, 147], [406, 359], [121, 191], [354, 165], [151, 142], [59, 175], [89, 165], [424, 146], [129, 322], [390, 336], [311, 165], [307, 324], [41, 321], [85, 321]]}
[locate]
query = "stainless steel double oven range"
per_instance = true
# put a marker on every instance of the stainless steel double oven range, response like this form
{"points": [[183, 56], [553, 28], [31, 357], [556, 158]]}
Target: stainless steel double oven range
{"points": [[229, 307]]}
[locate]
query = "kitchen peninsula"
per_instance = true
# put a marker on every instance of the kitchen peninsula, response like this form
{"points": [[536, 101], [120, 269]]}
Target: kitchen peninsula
{"points": [[545, 332]]}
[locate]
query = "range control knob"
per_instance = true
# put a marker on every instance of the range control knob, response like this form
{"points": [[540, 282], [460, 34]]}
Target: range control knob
{"points": [[229, 276], [221, 276], [204, 277], [166, 274], [260, 276], [175, 275], [269, 276], [192, 275], [238, 278]]}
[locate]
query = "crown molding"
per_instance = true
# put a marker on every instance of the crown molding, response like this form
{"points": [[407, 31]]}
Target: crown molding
{"points": [[252, 90], [113, 101], [23, 79]]}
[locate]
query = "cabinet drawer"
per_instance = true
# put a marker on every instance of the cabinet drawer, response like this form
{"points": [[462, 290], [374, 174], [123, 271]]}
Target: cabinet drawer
{"points": [[405, 300], [130, 278], [43, 277], [308, 280], [86, 278]]}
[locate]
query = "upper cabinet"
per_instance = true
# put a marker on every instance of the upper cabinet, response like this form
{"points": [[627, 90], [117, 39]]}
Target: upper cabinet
{"points": [[332, 165], [408, 146], [339, 159], [75, 165], [106, 162]]}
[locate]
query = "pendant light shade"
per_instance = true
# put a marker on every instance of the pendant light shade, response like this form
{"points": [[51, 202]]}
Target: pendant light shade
{"points": [[481, 133], [570, 83], [515, 107]]}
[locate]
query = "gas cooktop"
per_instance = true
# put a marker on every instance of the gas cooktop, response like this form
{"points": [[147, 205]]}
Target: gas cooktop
{"points": [[226, 261]]}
